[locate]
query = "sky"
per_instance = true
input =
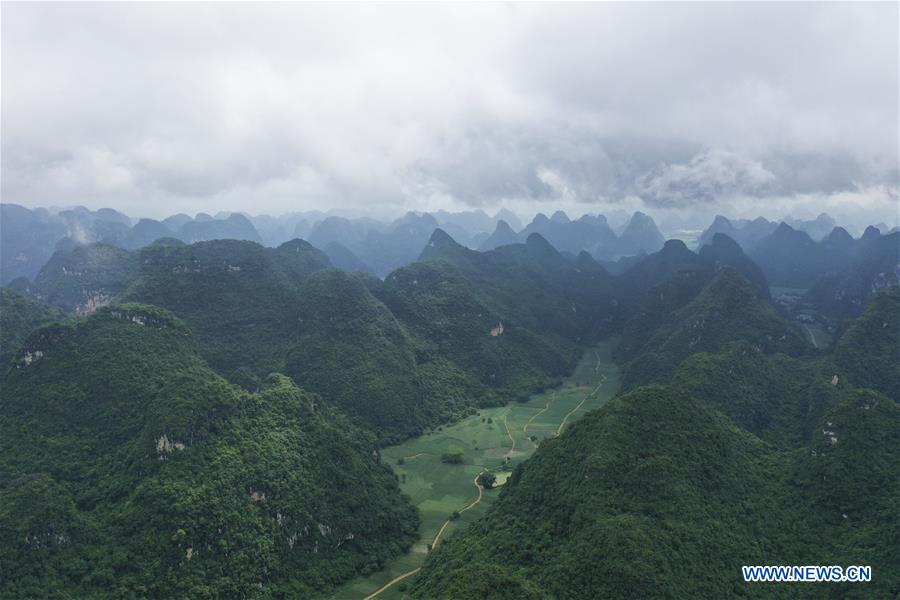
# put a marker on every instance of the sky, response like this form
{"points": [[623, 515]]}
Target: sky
{"points": [[678, 109]]}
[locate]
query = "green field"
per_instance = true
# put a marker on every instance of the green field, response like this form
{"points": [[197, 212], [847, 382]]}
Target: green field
{"points": [[488, 439]]}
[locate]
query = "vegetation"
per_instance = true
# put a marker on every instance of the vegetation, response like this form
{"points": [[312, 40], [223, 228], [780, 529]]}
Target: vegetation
{"points": [[453, 455], [729, 308], [486, 479], [128, 467], [19, 316], [745, 457]]}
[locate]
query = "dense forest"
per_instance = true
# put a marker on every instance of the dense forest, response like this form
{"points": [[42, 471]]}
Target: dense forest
{"points": [[743, 457], [130, 468], [204, 419]]}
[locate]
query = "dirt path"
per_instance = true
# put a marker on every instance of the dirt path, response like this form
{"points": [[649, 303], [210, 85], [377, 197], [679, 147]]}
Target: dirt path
{"points": [[580, 404], [511, 438], [812, 336], [435, 541], [416, 455], [534, 416], [396, 579]]}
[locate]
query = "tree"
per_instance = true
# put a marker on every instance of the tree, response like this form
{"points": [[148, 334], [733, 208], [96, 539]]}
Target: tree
{"points": [[486, 479], [453, 455]]}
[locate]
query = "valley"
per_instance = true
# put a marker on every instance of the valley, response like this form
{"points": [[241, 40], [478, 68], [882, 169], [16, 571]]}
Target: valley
{"points": [[487, 439]]}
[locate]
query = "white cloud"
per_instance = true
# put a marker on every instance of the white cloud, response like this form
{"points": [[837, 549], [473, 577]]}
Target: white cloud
{"points": [[164, 107]]}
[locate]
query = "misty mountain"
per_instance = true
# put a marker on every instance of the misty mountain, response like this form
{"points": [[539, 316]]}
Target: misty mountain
{"points": [[854, 268], [235, 227], [746, 233], [861, 268], [816, 228], [28, 239], [503, 235], [341, 257], [639, 235]]}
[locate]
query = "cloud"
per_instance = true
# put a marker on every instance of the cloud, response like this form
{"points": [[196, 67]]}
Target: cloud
{"points": [[708, 176], [164, 107]]}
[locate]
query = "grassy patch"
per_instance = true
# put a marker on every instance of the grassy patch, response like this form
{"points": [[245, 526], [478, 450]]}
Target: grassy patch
{"points": [[487, 440]]}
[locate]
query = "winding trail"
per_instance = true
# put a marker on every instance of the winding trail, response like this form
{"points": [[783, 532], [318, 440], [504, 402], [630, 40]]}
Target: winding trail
{"points": [[511, 438], [583, 400], [436, 539], [537, 414], [396, 579]]}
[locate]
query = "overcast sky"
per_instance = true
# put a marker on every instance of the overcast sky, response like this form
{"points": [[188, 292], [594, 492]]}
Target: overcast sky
{"points": [[762, 108]]}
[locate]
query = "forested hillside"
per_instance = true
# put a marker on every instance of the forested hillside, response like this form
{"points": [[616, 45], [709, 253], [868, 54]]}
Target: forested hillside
{"points": [[128, 467], [742, 458], [19, 316]]}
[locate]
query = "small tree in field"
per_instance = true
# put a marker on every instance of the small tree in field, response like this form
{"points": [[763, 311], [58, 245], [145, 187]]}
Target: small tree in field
{"points": [[453, 455], [487, 480]]}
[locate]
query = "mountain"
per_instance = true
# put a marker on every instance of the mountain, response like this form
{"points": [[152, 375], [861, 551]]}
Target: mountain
{"points": [[746, 233], [238, 298], [27, 240], [868, 352], [235, 227], [503, 235], [729, 308], [721, 225], [341, 257], [145, 232], [84, 278], [586, 233], [510, 217], [127, 465], [535, 285], [864, 267], [19, 316], [467, 346], [349, 233], [383, 248], [278, 310], [816, 228], [722, 251], [640, 234], [176, 222], [472, 221], [400, 244], [351, 350], [788, 258], [744, 458], [659, 266]]}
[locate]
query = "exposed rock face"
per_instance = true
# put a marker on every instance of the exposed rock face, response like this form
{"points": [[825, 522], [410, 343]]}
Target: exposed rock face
{"points": [[498, 330], [165, 447]]}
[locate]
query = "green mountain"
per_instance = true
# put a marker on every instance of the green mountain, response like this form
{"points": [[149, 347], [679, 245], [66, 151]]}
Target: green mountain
{"points": [[19, 316], [127, 467], [536, 286], [351, 350], [84, 278], [465, 345], [666, 491], [238, 298], [868, 352], [729, 308]]}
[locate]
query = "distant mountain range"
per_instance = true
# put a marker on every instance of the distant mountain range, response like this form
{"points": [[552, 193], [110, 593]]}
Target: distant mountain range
{"points": [[196, 419]]}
